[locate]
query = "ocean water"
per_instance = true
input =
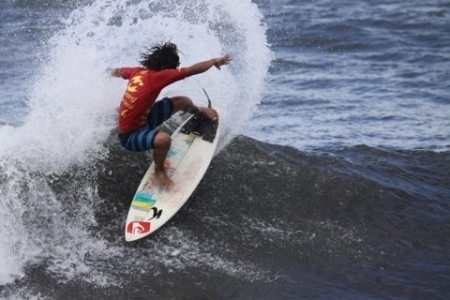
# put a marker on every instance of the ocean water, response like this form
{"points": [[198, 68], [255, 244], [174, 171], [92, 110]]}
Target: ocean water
{"points": [[332, 178]]}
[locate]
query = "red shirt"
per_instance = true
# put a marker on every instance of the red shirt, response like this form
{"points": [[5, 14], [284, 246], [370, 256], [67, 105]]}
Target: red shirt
{"points": [[143, 88]]}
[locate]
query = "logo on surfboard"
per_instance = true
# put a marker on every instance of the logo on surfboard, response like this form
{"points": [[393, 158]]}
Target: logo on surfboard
{"points": [[138, 227]]}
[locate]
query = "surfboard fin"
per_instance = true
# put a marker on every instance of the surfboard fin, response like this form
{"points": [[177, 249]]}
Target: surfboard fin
{"points": [[209, 100]]}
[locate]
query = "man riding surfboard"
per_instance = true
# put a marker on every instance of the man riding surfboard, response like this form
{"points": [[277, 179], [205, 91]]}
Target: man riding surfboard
{"points": [[140, 113]]}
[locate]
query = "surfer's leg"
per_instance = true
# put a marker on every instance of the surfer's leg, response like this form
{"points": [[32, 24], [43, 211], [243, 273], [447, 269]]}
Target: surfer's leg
{"points": [[161, 141], [185, 104], [161, 144], [147, 139]]}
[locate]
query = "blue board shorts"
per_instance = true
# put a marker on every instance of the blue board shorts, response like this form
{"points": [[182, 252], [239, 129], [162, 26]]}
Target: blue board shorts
{"points": [[143, 139]]}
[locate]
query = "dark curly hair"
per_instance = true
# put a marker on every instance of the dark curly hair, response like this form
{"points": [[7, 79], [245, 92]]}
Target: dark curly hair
{"points": [[160, 57]]}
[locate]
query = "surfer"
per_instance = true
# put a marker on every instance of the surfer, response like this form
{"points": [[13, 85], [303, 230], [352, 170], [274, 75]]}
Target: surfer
{"points": [[140, 113]]}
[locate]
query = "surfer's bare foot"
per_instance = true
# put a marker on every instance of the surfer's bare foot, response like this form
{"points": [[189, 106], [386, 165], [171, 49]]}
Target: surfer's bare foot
{"points": [[163, 179], [209, 113]]}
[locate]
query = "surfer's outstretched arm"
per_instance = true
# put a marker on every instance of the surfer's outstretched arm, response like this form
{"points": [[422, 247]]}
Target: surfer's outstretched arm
{"points": [[207, 64], [197, 68]]}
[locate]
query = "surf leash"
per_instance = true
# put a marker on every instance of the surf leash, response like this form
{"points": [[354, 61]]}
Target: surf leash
{"points": [[209, 100]]}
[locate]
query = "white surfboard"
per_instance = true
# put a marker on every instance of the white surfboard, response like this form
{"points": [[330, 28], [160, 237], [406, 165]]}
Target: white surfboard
{"points": [[188, 159]]}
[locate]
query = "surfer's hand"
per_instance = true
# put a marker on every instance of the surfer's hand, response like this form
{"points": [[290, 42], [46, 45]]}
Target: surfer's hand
{"points": [[209, 113], [223, 60], [113, 72]]}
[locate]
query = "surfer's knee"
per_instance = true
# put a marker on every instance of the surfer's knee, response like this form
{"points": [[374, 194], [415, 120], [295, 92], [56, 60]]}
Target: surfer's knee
{"points": [[162, 140], [182, 103]]}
